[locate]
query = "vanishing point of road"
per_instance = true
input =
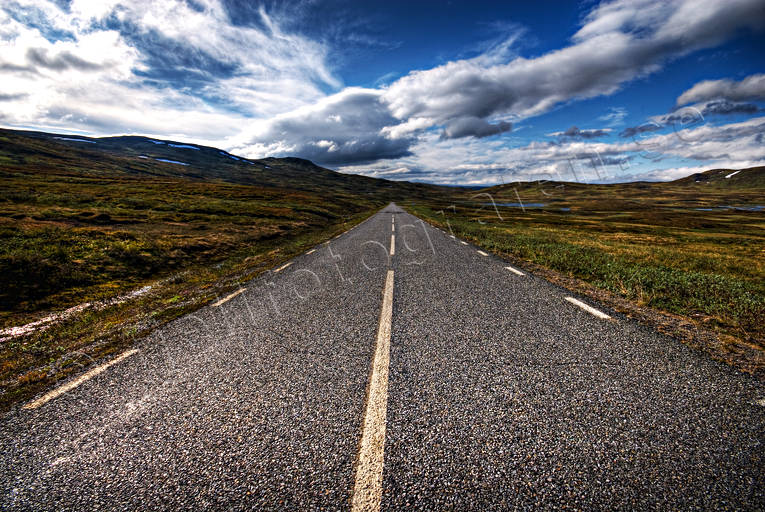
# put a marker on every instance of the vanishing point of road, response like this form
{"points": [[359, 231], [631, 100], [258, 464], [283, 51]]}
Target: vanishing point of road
{"points": [[395, 367]]}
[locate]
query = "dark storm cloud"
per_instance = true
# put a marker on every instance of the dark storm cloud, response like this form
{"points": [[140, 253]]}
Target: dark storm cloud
{"points": [[473, 126], [343, 129]]}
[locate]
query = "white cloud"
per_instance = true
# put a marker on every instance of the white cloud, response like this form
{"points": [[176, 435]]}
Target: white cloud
{"points": [[751, 88], [347, 127], [479, 97], [476, 162], [619, 42], [264, 90], [112, 66]]}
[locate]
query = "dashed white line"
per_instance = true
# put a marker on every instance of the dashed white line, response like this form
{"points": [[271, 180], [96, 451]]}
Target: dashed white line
{"points": [[367, 489], [76, 382], [482, 253], [515, 271], [587, 308], [227, 298], [392, 245], [283, 267], [311, 251], [452, 236], [463, 243]]}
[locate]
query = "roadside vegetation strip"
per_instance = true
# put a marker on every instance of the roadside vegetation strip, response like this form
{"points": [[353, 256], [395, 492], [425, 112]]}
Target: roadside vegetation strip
{"points": [[76, 382], [228, 298], [367, 490], [587, 308], [26, 367], [641, 249]]}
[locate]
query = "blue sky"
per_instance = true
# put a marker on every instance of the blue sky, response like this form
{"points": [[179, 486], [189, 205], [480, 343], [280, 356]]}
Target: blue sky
{"points": [[445, 92]]}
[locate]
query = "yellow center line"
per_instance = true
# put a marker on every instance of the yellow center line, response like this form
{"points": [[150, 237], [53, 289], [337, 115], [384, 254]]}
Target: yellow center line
{"points": [[367, 490]]}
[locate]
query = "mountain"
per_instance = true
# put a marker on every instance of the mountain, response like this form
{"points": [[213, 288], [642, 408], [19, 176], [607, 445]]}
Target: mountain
{"points": [[753, 177], [143, 156]]}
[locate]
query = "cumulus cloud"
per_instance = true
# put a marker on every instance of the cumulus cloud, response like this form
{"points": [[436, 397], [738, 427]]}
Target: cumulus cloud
{"points": [[751, 88], [189, 70], [473, 126], [345, 128], [654, 157], [618, 42], [476, 98]]}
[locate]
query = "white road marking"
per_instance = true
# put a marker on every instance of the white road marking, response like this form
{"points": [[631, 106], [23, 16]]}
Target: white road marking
{"points": [[283, 267], [453, 236], [587, 308], [392, 245], [463, 243], [227, 298], [393, 228], [367, 490], [311, 251], [76, 382], [515, 271], [482, 253]]}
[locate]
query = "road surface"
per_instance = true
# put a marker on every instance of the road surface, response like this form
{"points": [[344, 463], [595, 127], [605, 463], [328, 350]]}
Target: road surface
{"points": [[393, 367]]}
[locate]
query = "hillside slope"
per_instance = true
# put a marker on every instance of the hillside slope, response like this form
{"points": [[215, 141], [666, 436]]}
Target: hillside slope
{"points": [[142, 156]]}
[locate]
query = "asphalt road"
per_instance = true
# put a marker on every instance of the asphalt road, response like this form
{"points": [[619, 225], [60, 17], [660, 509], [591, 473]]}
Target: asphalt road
{"points": [[488, 390]]}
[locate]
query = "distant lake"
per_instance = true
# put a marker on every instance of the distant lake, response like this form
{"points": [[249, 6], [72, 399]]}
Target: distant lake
{"points": [[757, 208]]}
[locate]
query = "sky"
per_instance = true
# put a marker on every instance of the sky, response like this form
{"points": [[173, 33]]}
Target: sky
{"points": [[458, 93]]}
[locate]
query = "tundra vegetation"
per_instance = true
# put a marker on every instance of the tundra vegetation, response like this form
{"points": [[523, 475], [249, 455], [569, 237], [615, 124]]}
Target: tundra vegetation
{"points": [[132, 233]]}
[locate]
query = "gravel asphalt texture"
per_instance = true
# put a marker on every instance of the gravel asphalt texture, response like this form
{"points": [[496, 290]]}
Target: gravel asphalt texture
{"points": [[502, 395]]}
